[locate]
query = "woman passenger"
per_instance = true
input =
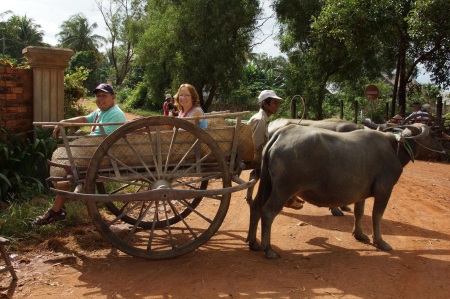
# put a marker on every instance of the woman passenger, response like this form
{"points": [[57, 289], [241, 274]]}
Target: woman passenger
{"points": [[188, 104]]}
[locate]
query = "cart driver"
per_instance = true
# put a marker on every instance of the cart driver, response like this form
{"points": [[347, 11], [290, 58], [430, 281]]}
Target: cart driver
{"points": [[268, 102], [107, 112]]}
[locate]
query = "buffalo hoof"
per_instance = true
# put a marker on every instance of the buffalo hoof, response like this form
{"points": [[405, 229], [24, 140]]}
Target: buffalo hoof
{"points": [[254, 246], [346, 209], [382, 245], [336, 212], [361, 237], [271, 254]]}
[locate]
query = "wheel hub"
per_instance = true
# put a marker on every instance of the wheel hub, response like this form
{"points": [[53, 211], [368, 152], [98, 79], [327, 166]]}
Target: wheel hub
{"points": [[160, 184]]}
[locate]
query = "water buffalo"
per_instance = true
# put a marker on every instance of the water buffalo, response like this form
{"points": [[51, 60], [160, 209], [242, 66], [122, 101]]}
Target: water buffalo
{"points": [[330, 169], [336, 125]]}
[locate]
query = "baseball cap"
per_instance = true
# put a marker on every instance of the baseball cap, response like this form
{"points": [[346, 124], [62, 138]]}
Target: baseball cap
{"points": [[416, 104], [104, 87], [267, 94], [168, 96]]}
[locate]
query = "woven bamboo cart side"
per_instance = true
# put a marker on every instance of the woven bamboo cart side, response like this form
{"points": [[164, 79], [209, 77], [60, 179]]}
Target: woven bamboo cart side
{"points": [[70, 160]]}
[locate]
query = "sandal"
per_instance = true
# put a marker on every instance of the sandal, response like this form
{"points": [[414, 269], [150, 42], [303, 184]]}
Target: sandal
{"points": [[49, 217], [294, 203]]}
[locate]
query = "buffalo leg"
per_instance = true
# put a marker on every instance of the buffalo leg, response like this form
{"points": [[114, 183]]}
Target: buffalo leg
{"points": [[377, 214], [269, 211], [255, 216], [357, 230], [254, 174]]}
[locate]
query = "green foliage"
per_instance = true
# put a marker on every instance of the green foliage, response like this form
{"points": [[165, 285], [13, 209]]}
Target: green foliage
{"points": [[7, 61], [261, 72], [91, 61], [73, 90], [123, 94], [347, 41], [77, 34], [139, 98], [201, 42], [19, 32], [446, 118], [23, 163]]}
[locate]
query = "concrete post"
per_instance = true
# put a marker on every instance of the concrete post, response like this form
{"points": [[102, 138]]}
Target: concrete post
{"points": [[48, 66]]}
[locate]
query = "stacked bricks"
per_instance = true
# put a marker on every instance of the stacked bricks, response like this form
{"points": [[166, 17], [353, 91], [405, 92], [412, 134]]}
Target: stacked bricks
{"points": [[16, 99]]}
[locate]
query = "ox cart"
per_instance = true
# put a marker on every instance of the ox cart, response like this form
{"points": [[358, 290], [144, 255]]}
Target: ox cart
{"points": [[157, 187]]}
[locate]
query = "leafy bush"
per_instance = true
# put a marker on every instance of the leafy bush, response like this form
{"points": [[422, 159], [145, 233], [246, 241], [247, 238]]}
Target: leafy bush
{"points": [[139, 98], [123, 94], [23, 163], [73, 91]]}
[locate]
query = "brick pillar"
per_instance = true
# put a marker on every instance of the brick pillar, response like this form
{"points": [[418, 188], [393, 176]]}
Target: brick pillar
{"points": [[48, 66]]}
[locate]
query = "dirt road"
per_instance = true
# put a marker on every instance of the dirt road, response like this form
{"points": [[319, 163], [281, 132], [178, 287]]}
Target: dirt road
{"points": [[320, 258]]}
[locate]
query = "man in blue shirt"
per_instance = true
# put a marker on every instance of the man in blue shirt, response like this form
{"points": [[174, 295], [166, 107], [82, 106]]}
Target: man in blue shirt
{"points": [[107, 112]]}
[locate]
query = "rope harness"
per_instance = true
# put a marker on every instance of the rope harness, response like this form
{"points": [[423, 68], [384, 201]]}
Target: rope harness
{"points": [[436, 151], [401, 141]]}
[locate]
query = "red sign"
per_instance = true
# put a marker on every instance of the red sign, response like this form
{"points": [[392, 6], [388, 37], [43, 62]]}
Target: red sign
{"points": [[371, 92]]}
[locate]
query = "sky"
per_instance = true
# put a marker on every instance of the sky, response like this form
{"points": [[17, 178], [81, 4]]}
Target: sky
{"points": [[50, 14]]}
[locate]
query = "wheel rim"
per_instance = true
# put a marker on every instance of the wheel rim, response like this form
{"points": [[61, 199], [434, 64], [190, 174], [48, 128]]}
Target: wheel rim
{"points": [[167, 227]]}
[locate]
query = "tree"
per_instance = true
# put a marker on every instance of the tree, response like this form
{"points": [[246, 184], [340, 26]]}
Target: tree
{"points": [[92, 61], [77, 34], [259, 73], [18, 33], [122, 18], [201, 42], [372, 36]]}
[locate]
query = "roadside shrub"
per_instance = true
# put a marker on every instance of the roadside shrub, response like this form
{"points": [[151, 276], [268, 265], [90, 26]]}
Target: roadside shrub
{"points": [[123, 94], [23, 163], [138, 98], [74, 90]]}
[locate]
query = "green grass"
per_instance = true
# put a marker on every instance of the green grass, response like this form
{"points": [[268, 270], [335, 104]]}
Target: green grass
{"points": [[16, 219]]}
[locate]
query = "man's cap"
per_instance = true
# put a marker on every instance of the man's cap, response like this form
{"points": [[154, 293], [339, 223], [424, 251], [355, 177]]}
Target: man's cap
{"points": [[267, 94], [104, 87], [416, 104], [426, 106], [168, 96]]}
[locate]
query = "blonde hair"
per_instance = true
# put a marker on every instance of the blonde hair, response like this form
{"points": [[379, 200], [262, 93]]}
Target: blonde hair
{"points": [[194, 96]]}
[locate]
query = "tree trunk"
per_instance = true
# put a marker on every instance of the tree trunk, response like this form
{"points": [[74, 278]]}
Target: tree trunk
{"points": [[403, 80], [206, 104], [395, 92]]}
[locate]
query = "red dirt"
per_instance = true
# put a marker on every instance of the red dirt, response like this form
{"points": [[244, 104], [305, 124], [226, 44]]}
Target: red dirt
{"points": [[320, 258]]}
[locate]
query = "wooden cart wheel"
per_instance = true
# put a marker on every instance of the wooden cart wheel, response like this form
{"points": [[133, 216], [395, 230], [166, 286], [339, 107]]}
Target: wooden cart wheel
{"points": [[143, 158], [118, 207]]}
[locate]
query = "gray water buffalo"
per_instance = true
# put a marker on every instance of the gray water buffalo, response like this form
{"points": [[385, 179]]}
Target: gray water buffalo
{"points": [[330, 169], [336, 125]]}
